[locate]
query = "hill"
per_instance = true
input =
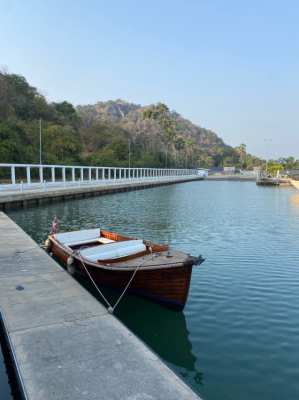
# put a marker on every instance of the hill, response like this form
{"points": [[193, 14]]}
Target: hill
{"points": [[102, 134]]}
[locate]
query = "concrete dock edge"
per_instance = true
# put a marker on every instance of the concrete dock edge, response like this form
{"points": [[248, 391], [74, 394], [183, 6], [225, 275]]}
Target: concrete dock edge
{"points": [[17, 199]]}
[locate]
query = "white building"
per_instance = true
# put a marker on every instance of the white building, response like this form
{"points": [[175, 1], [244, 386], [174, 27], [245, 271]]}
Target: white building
{"points": [[202, 172]]}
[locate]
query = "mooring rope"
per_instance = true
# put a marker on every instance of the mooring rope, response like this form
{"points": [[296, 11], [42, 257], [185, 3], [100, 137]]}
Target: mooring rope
{"points": [[110, 307]]}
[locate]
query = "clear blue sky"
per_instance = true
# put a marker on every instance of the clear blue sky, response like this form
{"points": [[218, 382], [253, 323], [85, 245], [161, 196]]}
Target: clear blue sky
{"points": [[231, 66]]}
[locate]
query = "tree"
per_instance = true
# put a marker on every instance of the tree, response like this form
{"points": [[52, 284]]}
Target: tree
{"points": [[241, 150], [160, 112]]}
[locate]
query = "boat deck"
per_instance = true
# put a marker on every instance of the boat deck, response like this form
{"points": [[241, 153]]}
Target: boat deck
{"points": [[148, 261]]}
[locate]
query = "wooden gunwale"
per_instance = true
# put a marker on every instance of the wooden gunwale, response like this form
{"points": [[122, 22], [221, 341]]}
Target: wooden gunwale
{"points": [[70, 252]]}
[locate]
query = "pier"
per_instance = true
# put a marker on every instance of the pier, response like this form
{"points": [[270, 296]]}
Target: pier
{"points": [[27, 184], [63, 343]]}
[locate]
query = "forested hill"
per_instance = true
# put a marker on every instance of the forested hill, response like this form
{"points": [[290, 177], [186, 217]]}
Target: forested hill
{"points": [[101, 134], [158, 133]]}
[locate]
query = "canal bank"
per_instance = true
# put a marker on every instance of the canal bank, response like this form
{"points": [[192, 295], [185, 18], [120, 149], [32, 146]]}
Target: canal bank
{"points": [[234, 178], [24, 198], [63, 342]]}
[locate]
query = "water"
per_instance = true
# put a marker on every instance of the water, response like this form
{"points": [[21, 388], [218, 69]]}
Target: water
{"points": [[5, 390], [238, 335]]}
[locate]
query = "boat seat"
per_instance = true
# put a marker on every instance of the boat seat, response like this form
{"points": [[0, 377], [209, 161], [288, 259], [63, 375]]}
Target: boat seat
{"points": [[104, 240], [114, 250], [78, 237]]}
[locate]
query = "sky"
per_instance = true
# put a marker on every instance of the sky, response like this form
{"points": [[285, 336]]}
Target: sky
{"points": [[229, 66]]}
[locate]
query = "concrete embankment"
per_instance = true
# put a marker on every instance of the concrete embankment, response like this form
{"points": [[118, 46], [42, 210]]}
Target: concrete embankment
{"points": [[237, 178], [63, 342], [18, 199]]}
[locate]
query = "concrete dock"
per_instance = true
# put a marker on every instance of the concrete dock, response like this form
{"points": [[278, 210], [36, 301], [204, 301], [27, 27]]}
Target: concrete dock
{"points": [[63, 342], [25, 198]]}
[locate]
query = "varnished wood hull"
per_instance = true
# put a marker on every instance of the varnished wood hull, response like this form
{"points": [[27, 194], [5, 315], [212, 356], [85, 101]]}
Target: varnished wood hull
{"points": [[167, 286]]}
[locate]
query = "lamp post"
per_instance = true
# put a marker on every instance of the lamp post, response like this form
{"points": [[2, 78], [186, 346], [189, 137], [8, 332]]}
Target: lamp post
{"points": [[40, 141], [129, 145]]}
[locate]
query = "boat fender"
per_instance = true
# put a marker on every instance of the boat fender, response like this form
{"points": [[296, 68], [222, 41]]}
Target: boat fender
{"points": [[48, 245], [70, 265]]}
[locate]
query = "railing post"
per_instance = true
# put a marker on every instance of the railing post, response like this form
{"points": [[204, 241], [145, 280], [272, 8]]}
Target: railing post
{"points": [[73, 175], [13, 174], [81, 174], [103, 173], [109, 174], [114, 173], [97, 174], [63, 174], [53, 174], [89, 174], [28, 175], [41, 176]]}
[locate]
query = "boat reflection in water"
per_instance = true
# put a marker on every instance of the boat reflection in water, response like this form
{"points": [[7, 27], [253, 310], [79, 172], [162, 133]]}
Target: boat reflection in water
{"points": [[163, 330]]}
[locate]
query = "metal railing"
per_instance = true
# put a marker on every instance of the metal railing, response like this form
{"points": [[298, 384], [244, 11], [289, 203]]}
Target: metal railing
{"points": [[34, 176]]}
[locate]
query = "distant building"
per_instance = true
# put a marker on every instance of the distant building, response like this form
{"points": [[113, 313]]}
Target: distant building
{"points": [[202, 172], [293, 173], [229, 170]]}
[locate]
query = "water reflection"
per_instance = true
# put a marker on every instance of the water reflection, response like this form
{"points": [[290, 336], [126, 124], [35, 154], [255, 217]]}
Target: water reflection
{"points": [[294, 200]]}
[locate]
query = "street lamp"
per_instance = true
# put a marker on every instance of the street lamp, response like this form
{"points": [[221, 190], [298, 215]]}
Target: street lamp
{"points": [[40, 141], [129, 145]]}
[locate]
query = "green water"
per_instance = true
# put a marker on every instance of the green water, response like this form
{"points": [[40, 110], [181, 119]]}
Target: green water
{"points": [[238, 335]]}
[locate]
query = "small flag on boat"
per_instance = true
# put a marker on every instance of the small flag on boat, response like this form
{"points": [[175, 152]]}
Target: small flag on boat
{"points": [[55, 226]]}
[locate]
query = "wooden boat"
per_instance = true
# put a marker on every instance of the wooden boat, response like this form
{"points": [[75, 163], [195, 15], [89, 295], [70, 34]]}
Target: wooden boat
{"points": [[111, 259]]}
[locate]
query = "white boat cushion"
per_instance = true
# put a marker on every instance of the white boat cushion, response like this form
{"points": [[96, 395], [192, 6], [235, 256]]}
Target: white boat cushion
{"points": [[105, 240], [78, 237], [114, 250]]}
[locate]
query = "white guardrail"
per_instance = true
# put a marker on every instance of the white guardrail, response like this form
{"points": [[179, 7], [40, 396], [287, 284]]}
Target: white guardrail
{"points": [[32, 176]]}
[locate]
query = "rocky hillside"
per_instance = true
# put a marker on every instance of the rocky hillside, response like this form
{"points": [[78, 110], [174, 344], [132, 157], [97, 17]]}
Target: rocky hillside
{"points": [[104, 133], [189, 143]]}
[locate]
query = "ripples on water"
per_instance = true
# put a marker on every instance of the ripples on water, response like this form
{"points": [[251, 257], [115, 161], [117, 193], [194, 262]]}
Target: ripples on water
{"points": [[238, 335]]}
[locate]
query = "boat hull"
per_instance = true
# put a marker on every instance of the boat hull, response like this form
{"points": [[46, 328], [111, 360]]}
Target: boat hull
{"points": [[167, 286]]}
